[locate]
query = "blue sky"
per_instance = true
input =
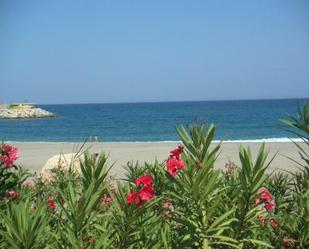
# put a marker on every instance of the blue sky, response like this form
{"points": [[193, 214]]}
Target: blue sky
{"points": [[65, 51]]}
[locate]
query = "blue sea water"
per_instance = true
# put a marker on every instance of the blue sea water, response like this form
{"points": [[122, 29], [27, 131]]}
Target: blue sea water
{"points": [[235, 120]]}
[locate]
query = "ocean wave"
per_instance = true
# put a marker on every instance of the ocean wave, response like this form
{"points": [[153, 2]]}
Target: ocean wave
{"points": [[261, 140]]}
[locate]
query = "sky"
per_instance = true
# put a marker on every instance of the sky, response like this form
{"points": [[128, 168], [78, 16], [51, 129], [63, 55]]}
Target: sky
{"points": [[74, 51]]}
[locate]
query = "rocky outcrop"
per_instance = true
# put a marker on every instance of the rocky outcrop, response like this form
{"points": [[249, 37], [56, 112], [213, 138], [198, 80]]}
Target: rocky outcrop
{"points": [[24, 113], [70, 161]]}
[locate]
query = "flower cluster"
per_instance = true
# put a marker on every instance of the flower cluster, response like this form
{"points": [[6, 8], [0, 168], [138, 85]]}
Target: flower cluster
{"points": [[105, 200], [174, 163], [145, 193], [264, 196], [8, 155]]}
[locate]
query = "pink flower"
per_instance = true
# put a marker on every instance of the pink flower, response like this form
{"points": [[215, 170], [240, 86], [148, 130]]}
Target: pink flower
{"points": [[264, 190], [262, 218], [29, 185], [266, 198], [270, 206], [167, 204], [167, 208], [8, 155], [105, 200], [273, 223]]}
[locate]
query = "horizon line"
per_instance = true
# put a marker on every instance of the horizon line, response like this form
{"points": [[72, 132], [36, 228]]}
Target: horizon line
{"points": [[176, 101], [163, 101]]}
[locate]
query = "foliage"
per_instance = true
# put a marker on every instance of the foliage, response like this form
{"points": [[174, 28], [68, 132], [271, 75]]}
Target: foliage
{"points": [[183, 202]]}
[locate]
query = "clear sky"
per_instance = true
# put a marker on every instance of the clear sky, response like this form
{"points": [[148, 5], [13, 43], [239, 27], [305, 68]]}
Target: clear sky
{"points": [[63, 51]]}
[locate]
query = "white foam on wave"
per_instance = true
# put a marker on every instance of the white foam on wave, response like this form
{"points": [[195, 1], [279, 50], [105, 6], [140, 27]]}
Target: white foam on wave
{"points": [[266, 140], [263, 140]]}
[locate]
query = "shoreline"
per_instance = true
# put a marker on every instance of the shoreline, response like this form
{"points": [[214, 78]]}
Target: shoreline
{"points": [[34, 155]]}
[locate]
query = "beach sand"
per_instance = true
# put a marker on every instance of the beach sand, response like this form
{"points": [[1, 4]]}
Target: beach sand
{"points": [[34, 155]]}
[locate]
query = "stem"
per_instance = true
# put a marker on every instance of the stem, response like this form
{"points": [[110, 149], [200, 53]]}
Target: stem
{"points": [[242, 217]]}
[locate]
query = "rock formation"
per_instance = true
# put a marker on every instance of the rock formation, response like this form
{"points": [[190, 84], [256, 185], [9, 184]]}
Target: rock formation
{"points": [[24, 113], [63, 162]]}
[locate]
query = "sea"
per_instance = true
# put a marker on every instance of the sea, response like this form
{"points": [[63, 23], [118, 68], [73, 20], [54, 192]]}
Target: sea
{"points": [[235, 120]]}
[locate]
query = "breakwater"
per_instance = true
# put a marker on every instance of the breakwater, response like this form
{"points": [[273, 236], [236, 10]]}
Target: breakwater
{"points": [[24, 113]]}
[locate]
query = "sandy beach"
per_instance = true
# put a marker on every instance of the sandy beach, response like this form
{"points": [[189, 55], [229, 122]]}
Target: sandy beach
{"points": [[34, 155]]}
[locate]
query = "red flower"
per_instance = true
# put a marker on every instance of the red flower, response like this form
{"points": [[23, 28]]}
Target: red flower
{"points": [[176, 152], [11, 195], [51, 203], [144, 180], [146, 192], [174, 165], [133, 198], [8, 155]]}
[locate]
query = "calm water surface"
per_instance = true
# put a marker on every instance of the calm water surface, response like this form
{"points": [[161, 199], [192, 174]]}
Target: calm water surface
{"points": [[235, 120]]}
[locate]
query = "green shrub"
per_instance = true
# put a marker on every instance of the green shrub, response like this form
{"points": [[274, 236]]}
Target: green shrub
{"points": [[183, 202]]}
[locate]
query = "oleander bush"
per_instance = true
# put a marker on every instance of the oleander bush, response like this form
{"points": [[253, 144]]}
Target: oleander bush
{"points": [[183, 202]]}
